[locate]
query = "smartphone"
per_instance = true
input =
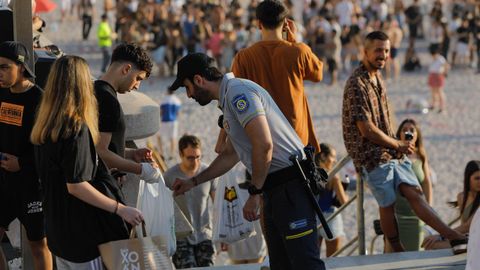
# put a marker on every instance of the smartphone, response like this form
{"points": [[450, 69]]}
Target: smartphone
{"points": [[408, 135]]}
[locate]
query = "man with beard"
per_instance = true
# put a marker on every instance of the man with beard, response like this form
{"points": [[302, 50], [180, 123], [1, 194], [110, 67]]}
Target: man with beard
{"points": [[261, 138], [376, 153]]}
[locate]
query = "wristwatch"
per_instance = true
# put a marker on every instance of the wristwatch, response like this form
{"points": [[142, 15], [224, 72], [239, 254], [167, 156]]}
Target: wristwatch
{"points": [[253, 190]]}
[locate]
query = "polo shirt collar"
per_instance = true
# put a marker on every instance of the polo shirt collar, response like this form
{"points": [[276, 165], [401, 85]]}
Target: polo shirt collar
{"points": [[223, 89]]}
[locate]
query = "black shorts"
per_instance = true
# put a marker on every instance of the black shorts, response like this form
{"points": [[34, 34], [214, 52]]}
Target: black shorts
{"points": [[332, 64], [393, 52], [20, 198], [413, 30]]}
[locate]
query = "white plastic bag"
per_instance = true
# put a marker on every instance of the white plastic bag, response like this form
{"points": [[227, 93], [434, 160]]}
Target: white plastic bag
{"points": [[473, 260], [13, 233], [229, 226], [156, 203]]}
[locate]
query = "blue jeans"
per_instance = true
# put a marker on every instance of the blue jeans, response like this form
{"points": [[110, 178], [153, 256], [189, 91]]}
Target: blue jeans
{"points": [[105, 58]]}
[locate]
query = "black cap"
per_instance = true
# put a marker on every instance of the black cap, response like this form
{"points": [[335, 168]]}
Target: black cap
{"points": [[18, 53], [190, 65]]}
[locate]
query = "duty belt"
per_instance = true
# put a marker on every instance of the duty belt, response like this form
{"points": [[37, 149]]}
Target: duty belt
{"points": [[282, 176]]}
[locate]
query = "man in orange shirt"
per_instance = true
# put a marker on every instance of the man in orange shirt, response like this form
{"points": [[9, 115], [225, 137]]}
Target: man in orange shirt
{"points": [[280, 66]]}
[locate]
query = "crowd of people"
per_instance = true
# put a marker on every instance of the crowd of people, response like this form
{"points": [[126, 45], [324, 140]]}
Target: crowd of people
{"points": [[332, 28], [73, 132]]}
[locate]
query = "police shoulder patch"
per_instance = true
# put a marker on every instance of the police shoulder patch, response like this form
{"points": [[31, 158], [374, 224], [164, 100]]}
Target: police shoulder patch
{"points": [[240, 103]]}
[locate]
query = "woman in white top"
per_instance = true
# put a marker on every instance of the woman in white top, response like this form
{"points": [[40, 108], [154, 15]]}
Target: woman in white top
{"points": [[437, 72]]}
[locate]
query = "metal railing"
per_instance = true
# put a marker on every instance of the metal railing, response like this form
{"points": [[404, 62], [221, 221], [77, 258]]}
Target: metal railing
{"points": [[360, 237], [358, 241]]}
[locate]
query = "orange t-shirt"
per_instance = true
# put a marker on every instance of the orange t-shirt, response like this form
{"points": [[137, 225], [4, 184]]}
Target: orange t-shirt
{"points": [[280, 67]]}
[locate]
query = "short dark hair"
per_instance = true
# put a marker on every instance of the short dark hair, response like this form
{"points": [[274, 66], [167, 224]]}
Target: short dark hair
{"points": [[210, 73], [131, 52], [434, 48], [188, 140], [325, 151], [271, 13], [377, 35]]}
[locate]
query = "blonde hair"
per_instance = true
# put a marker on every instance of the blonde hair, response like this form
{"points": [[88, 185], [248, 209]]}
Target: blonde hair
{"points": [[67, 103]]}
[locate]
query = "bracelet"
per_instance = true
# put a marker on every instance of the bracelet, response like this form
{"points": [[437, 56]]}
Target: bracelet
{"points": [[116, 209], [194, 180]]}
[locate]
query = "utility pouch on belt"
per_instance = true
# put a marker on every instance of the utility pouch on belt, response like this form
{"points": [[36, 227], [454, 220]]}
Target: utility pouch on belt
{"points": [[318, 177]]}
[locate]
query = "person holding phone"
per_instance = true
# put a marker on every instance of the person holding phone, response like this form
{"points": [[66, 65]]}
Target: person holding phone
{"points": [[409, 225], [377, 154], [280, 64]]}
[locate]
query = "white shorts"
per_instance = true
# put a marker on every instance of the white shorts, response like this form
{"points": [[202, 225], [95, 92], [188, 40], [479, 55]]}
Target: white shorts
{"points": [[462, 49], [169, 130]]}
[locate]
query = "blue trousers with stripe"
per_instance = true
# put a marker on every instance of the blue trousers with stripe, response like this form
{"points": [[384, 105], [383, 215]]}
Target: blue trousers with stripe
{"points": [[290, 228]]}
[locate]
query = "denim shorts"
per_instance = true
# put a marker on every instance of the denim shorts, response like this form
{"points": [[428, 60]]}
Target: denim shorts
{"points": [[384, 180]]}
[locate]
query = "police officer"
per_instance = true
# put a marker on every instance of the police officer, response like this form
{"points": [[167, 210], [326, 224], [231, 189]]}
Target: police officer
{"points": [[263, 140]]}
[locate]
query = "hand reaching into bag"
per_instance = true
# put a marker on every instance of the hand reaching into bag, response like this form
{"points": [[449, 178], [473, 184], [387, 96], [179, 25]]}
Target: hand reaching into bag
{"points": [[129, 214], [150, 174], [142, 155], [181, 186]]}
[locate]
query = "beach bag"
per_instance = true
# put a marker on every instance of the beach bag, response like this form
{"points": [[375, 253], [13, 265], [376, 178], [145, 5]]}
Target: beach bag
{"points": [[229, 226], [156, 203], [145, 252]]}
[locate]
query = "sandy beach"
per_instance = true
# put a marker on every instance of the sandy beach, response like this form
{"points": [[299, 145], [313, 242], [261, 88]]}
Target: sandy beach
{"points": [[451, 138]]}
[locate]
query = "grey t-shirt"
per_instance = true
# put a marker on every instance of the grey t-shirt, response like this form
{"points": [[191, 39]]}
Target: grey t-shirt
{"points": [[241, 101], [195, 203]]}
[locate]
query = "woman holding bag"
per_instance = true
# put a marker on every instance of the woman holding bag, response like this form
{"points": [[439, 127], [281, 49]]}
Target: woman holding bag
{"points": [[64, 135]]}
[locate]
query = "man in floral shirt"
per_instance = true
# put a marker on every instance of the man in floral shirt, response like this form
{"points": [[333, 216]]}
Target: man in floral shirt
{"points": [[378, 156]]}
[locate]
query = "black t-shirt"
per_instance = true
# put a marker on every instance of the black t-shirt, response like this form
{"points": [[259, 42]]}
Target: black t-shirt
{"points": [[17, 115], [413, 13], [74, 228], [111, 118], [463, 33]]}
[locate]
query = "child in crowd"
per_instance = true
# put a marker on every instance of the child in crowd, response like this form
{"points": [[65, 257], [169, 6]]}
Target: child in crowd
{"points": [[437, 71]]}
